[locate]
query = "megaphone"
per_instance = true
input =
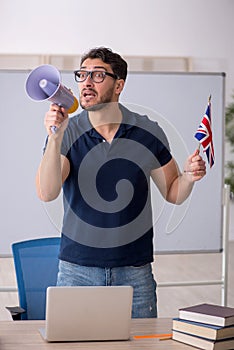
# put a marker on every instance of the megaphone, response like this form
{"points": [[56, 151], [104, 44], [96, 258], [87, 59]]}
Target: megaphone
{"points": [[44, 83]]}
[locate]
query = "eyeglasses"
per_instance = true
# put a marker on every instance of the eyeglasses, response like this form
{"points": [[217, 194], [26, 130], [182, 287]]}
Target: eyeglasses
{"points": [[97, 76]]}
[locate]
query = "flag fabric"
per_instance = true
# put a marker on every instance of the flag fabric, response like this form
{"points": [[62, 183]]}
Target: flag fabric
{"points": [[204, 135]]}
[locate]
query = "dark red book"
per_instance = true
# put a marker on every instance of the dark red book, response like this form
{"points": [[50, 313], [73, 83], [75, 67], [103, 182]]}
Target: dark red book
{"points": [[208, 313]]}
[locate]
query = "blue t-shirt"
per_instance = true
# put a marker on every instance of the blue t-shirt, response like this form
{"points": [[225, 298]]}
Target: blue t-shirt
{"points": [[107, 205]]}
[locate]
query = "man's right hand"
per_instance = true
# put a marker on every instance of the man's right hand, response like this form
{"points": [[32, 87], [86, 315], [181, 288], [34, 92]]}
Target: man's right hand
{"points": [[57, 117]]}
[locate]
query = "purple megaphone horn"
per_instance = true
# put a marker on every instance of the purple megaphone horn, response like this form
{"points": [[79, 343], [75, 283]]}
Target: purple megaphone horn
{"points": [[44, 83]]}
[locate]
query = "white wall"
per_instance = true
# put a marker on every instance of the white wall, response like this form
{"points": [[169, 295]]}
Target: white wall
{"points": [[201, 29]]}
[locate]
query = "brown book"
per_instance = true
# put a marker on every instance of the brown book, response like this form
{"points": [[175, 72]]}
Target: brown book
{"points": [[202, 343], [208, 313]]}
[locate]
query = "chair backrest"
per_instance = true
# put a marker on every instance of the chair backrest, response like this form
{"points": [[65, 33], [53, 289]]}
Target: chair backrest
{"points": [[36, 267]]}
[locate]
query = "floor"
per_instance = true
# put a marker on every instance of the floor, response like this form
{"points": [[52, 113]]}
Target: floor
{"points": [[195, 267], [167, 268]]}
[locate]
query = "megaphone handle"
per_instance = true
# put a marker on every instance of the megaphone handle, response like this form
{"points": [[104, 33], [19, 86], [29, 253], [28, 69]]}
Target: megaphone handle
{"points": [[53, 129]]}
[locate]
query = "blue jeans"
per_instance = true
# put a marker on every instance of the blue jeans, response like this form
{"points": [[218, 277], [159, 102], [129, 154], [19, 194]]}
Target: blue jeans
{"points": [[140, 278]]}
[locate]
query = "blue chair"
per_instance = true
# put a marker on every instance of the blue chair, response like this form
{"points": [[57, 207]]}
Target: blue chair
{"points": [[36, 267]]}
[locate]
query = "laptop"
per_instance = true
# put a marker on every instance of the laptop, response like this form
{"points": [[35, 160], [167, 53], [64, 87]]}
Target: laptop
{"points": [[93, 313]]}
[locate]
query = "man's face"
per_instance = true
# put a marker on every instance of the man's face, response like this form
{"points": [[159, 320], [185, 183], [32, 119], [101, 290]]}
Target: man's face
{"points": [[92, 93]]}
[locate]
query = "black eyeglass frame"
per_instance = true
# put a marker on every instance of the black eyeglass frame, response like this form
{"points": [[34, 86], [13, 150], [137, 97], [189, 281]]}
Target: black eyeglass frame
{"points": [[90, 73]]}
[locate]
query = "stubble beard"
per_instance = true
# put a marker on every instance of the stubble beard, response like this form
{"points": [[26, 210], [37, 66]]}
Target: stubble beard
{"points": [[103, 101]]}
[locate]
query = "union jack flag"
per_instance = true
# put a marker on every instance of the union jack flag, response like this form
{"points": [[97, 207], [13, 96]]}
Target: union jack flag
{"points": [[204, 135]]}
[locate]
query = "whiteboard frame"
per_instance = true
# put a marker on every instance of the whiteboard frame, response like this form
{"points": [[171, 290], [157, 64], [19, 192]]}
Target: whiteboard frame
{"points": [[18, 114]]}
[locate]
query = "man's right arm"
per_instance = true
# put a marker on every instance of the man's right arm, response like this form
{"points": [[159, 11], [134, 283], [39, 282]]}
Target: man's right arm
{"points": [[54, 167]]}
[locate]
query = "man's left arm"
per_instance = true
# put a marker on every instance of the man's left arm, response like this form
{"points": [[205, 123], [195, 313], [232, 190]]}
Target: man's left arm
{"points": [[174, 185]]}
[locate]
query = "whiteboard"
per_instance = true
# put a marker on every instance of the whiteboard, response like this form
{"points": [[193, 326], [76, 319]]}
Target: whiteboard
{"points": [[176, 100]]}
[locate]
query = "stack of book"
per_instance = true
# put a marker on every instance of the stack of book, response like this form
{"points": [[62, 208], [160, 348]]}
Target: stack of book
{"points": [[205, 326]]}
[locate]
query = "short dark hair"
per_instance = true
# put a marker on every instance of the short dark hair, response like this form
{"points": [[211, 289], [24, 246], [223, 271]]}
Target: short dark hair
{"points": [[117, 63]]}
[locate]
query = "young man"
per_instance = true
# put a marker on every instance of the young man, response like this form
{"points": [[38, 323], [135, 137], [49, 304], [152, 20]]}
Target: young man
{"points": [[103, 159]]}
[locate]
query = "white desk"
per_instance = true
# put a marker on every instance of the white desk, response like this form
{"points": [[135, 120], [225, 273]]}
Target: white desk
{"points": [[24, 335]]}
